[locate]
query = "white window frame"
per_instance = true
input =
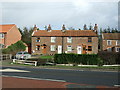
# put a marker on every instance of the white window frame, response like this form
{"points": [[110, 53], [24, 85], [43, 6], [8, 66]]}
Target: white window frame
{"points": [[117, 49], [69, 39], [37, 47], [69, 48], [110, 42], [37, 40], [52, 48], [117, 42], [53, 39], [1, 35]]}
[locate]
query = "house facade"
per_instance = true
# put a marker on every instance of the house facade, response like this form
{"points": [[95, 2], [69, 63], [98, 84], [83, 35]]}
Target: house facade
{"points": [[111, 42], [50, 42], [9, 34]]}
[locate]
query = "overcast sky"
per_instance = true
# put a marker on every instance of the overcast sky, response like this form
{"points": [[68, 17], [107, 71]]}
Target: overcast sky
{"points": [[72, 13]]}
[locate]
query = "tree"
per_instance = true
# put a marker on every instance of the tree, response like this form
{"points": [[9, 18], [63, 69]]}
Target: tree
{"points": [[85, 27], [26, 35], [71, 28], [14, 48], [90, 27], [108, 29]]}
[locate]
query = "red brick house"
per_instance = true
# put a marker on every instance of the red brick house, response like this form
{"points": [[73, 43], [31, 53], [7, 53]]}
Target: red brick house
{"points": [[111, 42], [49, 42], [9, 34]]}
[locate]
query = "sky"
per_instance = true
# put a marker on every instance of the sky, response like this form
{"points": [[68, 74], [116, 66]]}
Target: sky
{"points": [[72, 13]]}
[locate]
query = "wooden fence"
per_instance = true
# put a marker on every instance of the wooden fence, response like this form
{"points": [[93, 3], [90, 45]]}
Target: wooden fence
{"points": [[5, 56]]}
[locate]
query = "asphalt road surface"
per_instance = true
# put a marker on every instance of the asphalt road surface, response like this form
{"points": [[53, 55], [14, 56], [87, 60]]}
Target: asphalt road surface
{"points": [[72, 76]]}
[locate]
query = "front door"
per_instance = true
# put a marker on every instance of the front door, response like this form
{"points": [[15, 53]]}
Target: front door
{"points": [[79, 50], [59, 49]]}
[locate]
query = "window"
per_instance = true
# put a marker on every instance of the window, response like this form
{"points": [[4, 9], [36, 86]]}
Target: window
{"points": [[109, 49], [1, 46], [52, 47], [37, 39], [89, 39], [118, 42], [69, 48], [1, 35], [108, 42], [37, 47], [69, 39], [53, 39], [117, 49], [89, 48]]}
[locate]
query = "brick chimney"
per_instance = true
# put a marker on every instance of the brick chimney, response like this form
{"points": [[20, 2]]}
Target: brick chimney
{"points": [[49, 28], [63, 28], [35, 28], [96, 28]]}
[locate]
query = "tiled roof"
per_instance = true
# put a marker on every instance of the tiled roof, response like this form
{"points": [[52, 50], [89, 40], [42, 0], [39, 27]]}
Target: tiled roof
{"points": [[111, 36], [66, 33], [5, 28]]}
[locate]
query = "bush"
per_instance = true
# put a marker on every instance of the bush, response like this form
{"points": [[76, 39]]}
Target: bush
{"points": [[14, 48], [90, 59], [110, 57]]}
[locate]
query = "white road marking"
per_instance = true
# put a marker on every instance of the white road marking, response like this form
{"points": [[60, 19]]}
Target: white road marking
{"points": [[35, 78], [117, 85], [12, 70]]}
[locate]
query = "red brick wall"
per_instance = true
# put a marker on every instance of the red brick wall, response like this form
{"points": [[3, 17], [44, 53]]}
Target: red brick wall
{"points": [[105, 46], [12, 36], [75, 42]]}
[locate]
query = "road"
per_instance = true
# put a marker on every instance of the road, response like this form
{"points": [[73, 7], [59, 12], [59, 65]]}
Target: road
{"points": [[98, 78]]}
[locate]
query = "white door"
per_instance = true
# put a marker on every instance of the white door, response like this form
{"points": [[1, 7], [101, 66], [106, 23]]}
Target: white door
{"points": [[79, 51], [59, 49]]}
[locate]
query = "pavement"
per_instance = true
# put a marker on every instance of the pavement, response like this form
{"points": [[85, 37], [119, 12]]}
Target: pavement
{"points": [[13, 82]]}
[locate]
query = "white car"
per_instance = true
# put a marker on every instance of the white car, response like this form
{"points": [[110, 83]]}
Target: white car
{"points": [[23, 55]]}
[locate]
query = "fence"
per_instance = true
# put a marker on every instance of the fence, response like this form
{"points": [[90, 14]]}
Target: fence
{"points": [[5, 56]]}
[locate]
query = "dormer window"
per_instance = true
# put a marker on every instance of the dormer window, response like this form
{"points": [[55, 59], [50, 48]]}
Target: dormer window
{"points": [[53, 39], [69, 39], [37, 39]]}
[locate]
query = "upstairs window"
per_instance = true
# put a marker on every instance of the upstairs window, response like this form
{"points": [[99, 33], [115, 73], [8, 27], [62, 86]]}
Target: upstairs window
{"points": [[1, 35], [69, 39], [69, 48], [108, 42], [37, 39], [118, 42], [37, 47], [89, 48], [53, 39], [52, 48], [89, 39]]}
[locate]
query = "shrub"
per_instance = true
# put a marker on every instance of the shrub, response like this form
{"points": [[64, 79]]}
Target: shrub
{"points": [[76, 58], [110, 57], [14, 48]]}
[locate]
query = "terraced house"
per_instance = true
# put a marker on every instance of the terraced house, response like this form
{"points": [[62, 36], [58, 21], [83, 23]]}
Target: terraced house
{"points": [[49, 42], [9, 34], [111, 42]]}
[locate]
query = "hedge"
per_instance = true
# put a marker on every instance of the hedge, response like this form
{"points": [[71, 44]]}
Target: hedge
{"points": [[110, 57], [14, 48], [91, 59]]}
